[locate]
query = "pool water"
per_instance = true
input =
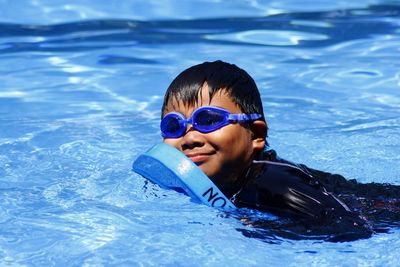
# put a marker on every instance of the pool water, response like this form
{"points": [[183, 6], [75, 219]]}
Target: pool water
{"points": [[80, 94]]}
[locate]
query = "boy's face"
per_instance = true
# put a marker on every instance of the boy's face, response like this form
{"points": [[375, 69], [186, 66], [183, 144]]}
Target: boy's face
{"points": [[224, 154]]}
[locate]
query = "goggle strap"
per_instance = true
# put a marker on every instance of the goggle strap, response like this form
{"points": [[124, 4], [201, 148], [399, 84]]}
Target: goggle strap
{"points": [[255, 116], [244, 117]]}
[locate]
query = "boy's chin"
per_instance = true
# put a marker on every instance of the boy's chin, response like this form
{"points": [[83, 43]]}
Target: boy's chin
{"points": [[206, 171]]}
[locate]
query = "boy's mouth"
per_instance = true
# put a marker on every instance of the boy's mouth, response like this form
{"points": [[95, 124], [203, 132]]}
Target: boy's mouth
{"points": [[199, 158]]}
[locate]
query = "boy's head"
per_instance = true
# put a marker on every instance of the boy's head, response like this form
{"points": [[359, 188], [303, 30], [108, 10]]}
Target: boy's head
{"points": [[218, 75], [225, 152]]}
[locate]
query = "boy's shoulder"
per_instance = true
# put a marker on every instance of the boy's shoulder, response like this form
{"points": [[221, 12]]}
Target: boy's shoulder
{"points": [[331, 182]]}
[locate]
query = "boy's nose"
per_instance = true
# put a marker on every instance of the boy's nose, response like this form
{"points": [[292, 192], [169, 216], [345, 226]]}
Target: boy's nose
{"points": [[192, 138]]}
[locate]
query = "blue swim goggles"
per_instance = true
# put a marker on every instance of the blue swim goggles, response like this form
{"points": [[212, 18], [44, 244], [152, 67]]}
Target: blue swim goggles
{"points": [[205, 119]]}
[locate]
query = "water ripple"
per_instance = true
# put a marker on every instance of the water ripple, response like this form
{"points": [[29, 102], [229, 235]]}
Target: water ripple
{"points": [[307, 29], [268, 37]]}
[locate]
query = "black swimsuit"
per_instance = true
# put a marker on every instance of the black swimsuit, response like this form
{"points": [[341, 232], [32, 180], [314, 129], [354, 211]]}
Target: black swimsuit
{"points": [[287, 190], [305, 195]]}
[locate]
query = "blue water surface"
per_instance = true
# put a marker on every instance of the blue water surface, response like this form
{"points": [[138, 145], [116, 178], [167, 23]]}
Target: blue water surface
{"points": [[81, 87]]}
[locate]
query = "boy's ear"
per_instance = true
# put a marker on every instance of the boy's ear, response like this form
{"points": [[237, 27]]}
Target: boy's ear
{"points": [[259, 130]]}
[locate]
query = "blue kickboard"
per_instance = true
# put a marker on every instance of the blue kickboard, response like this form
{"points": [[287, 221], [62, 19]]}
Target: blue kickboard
{"points": [[171, 169]]}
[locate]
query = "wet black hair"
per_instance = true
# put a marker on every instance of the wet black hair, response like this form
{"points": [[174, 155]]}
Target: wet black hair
{"points": [[218, 75]]}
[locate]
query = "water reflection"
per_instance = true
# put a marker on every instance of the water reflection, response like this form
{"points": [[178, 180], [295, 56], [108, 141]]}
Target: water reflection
{"points": [[300, 29]]}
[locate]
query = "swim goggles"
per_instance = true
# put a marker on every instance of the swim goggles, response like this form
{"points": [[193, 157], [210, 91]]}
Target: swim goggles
{"points": [[205, 119]]}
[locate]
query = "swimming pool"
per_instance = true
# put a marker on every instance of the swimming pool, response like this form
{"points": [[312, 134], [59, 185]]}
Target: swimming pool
{"points": [[80, 94]]}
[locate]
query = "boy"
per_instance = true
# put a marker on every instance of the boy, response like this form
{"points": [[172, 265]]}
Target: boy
{"points": [[212, 112]]}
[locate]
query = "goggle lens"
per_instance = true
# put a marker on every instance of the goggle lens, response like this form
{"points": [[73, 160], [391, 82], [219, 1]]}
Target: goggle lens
{"points": [[208, 120], [172, 126]]}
